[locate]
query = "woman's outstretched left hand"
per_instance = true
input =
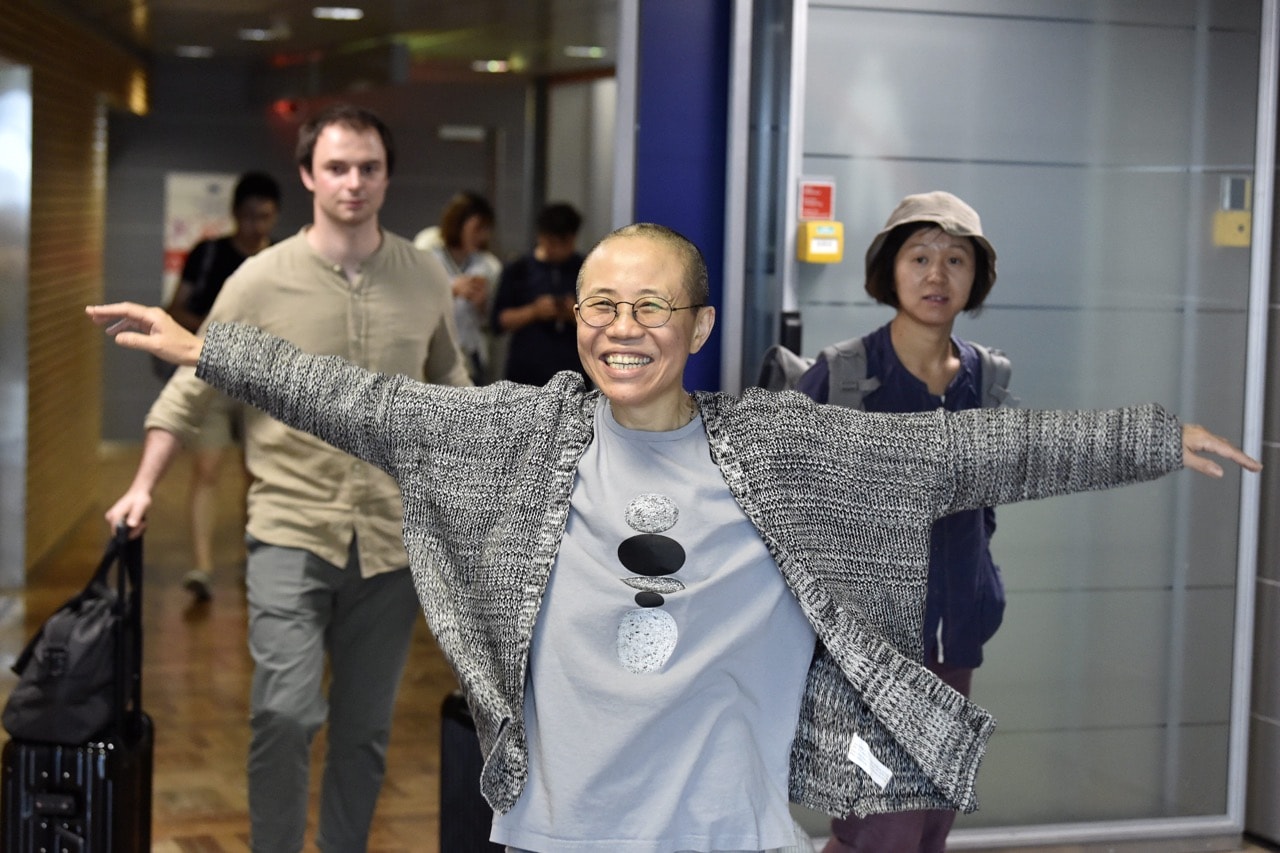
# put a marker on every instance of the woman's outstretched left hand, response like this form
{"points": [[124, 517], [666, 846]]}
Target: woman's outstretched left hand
{"points": [[1197, 440]]}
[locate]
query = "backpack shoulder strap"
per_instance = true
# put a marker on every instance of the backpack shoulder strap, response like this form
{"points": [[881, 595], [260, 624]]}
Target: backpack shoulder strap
{"points": [[847, 364], [780, 368], [996, 372]]}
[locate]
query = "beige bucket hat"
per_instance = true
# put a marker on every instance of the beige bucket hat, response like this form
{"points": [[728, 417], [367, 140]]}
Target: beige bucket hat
{"points": [[945, 210]]}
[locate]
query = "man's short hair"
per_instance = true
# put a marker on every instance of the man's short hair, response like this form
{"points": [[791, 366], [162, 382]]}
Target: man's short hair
{"points": [[356, 118], [559, 219], [255, 185]]}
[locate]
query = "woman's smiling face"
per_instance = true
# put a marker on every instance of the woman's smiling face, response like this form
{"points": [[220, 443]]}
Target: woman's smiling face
{"points": [[638, 368]]}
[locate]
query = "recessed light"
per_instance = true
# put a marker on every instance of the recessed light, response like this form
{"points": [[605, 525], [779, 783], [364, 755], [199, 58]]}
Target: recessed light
{"points": [[490, 66], [462, 133], [278, 31], [337, 13], [194, 51], [584, 51]]}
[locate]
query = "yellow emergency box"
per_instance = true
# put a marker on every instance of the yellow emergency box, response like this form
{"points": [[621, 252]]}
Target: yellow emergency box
{"points": [[820, 242], [1232, 227]]}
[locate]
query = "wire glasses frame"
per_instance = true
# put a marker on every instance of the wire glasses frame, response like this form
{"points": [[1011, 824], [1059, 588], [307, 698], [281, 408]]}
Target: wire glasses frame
{"points": [[652, 312]]}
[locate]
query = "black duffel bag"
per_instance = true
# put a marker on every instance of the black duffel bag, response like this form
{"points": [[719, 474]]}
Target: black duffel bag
{"points": [[68, 691]]}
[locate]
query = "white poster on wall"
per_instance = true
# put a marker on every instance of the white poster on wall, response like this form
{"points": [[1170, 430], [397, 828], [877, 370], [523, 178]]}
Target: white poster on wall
{"points": [[197, 206]]}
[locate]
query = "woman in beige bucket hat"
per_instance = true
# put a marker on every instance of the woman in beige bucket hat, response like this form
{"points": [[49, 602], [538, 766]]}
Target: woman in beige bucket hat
{"points": [[932, 263]]}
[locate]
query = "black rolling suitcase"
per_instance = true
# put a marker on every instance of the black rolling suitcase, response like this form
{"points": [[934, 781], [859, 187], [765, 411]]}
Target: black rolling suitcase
{"points": [[465, 817], [92, 795]]}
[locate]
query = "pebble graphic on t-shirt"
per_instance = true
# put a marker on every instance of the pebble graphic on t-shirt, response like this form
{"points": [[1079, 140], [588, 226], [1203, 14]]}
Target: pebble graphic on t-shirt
{"points": [[647, 636]]}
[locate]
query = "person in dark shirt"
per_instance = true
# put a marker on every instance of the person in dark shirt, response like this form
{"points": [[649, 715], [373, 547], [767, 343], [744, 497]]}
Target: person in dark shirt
{"points": [[255, 207], [534, 303]]}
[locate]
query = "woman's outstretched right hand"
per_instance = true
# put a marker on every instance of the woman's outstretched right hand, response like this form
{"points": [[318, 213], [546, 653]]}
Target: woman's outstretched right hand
{"points": [[148, 329]]}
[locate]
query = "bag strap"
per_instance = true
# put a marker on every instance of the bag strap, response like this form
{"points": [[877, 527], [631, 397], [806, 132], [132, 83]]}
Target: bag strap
{"points": [[780, 368], [206, 264], [996, 372], [847, 380], [24, 657], [128, 632]]}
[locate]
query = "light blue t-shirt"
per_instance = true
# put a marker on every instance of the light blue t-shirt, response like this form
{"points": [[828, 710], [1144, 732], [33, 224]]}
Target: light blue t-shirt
{"points": [[667, 667]]}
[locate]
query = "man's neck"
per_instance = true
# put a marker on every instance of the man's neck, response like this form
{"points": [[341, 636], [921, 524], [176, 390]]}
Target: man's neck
{"points": [[346, 246]]}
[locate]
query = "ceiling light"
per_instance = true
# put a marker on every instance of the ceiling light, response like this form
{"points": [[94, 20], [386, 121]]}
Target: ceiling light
{"points": [[461, 133], [583, 51], [337, 13], [194, 51], [490, 66], [278, 31]]}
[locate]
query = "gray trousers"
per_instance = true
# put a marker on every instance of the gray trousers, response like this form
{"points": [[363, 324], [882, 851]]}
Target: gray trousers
{"points": [[300, 609]]}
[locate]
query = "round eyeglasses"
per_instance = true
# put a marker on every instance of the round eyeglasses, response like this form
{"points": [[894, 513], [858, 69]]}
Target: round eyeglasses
{"points": [[650, 311]]}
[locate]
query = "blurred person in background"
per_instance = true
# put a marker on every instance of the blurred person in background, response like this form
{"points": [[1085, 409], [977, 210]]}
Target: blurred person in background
{"points": [[535, 300], [255, 208], [461, 242]]}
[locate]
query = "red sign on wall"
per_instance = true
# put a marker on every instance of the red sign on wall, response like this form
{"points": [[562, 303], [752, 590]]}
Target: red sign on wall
{"points": [[817, 199]]}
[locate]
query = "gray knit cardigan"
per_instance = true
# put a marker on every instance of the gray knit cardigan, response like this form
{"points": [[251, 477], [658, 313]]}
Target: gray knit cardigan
{"points": [[843, 500]]}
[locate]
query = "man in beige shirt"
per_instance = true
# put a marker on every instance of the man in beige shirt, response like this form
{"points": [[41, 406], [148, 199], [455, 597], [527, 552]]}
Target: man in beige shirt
{"points": [[327, 568]]}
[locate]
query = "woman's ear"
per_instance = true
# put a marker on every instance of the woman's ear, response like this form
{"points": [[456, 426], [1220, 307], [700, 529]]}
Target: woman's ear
{"points": [[703, 323]]}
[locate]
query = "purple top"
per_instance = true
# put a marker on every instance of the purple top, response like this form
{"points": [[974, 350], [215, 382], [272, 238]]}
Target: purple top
{"points": [[965, 602]]}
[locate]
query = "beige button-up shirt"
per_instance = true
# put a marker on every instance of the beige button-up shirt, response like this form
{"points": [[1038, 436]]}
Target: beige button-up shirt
{"points": [[395, 318]]}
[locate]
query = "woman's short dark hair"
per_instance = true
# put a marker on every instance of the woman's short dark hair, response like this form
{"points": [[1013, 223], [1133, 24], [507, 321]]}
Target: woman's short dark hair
{"points": [[696, 280], [460, 208], [356, 118], [880, 282]]}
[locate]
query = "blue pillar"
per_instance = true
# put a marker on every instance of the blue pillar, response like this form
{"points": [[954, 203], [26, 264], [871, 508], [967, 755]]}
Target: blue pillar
{"points": [[682, 106]]}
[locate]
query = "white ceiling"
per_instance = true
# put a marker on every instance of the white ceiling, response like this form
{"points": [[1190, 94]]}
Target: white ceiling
{"points": [[444, 35]]}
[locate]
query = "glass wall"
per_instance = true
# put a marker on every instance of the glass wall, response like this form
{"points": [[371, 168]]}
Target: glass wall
{"points": [[1109, 148]]}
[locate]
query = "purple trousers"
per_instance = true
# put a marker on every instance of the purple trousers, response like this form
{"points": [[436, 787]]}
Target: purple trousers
{"points": [[922, 831]]}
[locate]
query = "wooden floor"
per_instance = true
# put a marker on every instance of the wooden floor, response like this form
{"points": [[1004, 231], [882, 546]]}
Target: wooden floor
{"points": [[197, 673]]}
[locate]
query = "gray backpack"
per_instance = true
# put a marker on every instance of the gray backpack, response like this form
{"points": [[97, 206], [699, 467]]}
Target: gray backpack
{"points": [[848, 382]]}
